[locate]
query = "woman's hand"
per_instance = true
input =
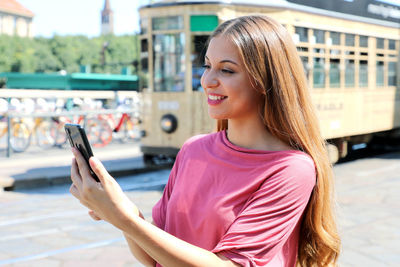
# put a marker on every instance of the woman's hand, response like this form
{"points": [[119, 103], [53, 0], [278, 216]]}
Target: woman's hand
{"points": [[94, 215], [105, 199]]}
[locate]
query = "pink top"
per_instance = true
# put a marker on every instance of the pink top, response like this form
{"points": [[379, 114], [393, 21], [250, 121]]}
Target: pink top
{"points": [[244, 204]]}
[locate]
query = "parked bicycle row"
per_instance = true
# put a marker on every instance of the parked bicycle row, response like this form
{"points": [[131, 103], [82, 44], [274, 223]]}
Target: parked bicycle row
{"points": [[22, 127]]}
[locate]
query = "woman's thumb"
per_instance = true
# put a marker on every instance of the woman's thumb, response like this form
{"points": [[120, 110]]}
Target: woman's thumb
{"points": [[98, 168]]}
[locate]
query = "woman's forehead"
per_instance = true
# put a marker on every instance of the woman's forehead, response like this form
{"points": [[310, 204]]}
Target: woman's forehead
{"points": [[221, 48]]}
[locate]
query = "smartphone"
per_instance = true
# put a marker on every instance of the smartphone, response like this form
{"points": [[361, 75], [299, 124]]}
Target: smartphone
{"points": [[78, 139]]}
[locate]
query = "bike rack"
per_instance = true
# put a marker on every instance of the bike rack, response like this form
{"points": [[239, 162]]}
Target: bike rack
{"points": [[11, 115]]}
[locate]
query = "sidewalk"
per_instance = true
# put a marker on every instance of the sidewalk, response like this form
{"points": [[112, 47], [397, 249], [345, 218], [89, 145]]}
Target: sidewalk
{"points": [[37, 167]]}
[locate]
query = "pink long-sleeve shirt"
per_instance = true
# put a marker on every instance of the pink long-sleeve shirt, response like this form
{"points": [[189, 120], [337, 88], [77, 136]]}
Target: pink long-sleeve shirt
{"points": [[244, 204]]}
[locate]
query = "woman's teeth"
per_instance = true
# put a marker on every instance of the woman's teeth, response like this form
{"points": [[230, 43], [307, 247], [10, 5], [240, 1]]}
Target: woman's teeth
{"points": [[215, 97]]}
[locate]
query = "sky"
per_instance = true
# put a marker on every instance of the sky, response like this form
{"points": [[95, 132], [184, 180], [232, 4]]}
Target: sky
{"points": [[72, 17]]}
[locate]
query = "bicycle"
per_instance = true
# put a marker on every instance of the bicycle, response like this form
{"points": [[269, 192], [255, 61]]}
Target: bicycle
{"points": [[97, 131], [18, 134], [38, 126], [18, 131]]}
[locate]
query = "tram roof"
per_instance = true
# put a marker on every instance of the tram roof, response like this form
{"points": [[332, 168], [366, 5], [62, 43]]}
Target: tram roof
{"points": [[284, 4]]}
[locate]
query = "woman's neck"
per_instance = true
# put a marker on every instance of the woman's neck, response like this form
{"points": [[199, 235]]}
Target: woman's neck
{"points": [[253, 134]]}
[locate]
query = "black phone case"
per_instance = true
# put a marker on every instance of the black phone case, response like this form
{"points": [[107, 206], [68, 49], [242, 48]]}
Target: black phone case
{"points": [[78, 139]]}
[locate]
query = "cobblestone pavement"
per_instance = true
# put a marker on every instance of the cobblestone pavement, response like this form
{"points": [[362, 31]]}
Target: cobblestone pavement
{"points": [[47, 227]]}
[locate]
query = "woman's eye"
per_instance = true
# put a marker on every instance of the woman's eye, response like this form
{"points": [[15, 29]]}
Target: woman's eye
{"points": [[227, 71], [205, 66]]}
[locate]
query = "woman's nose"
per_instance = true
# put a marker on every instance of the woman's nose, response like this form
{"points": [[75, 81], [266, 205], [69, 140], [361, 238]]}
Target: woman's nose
{"points": [[208, 79]]}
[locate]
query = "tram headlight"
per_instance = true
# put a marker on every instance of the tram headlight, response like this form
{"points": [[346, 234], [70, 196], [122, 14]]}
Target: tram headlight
{"points": [[169, 123]]}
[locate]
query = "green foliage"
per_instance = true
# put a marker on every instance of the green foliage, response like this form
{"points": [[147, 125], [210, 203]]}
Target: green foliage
{"points": [[105, 54]]}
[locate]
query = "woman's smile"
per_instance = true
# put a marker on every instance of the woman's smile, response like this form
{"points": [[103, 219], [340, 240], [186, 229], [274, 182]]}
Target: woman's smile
{"points": [[214, 99]]}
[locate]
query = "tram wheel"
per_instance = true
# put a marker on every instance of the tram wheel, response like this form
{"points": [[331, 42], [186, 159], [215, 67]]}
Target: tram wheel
{"points": [[148, 160], [333, 153]]}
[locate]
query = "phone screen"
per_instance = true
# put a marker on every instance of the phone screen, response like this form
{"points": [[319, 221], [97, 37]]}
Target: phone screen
{"points": [[78, 139]]}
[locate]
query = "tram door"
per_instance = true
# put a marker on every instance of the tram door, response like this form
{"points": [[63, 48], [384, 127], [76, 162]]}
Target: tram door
{"points": [[201, 123]]}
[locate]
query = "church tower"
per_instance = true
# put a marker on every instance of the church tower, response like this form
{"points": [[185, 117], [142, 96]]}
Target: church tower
{"points": [[107, 19]]}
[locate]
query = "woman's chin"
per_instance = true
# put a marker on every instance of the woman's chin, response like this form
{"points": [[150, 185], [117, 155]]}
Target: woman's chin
{"points": [[216, 116]]}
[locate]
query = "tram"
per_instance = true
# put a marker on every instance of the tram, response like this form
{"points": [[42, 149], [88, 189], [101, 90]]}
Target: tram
{"points": [[349, 50]]}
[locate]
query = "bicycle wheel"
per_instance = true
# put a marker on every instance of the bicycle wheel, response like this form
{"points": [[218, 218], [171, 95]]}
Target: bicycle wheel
{"points": [[45, 134], [58, 131], [99, 132], [20, 138], [130, 131]]}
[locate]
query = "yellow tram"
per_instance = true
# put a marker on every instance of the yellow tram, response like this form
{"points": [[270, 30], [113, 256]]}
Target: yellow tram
{"points": [[349, 49]]}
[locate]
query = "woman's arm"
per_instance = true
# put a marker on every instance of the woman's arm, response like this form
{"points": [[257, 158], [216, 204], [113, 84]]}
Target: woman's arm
{"points": [[107, 200], [139, 253], [168, 250]]}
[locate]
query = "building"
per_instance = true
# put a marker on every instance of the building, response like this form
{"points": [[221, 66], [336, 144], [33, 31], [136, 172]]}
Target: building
{"points": [[107, 19], [15, 19]]}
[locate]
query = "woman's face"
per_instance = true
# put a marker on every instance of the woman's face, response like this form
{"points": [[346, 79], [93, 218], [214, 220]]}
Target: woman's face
{"points": [[227, 85]]}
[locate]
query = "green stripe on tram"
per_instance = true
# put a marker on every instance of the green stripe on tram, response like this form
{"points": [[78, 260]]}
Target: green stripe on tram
{"points": [[203, 23]]}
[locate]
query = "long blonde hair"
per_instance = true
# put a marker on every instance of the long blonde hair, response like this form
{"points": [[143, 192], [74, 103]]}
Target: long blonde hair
{"points": [[271, 59]]}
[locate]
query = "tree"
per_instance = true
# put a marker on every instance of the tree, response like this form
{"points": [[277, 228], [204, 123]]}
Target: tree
{"points": [[67, 53]]}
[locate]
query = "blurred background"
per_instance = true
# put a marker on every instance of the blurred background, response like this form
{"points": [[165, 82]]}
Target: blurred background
{"points": [[129, 72]]}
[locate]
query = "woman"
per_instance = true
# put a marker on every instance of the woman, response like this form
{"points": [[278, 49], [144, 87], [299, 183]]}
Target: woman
{"points": [[258, 192]]}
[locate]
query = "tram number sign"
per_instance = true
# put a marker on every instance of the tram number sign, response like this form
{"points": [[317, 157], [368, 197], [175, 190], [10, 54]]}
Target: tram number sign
{"points": [[168, 105]]}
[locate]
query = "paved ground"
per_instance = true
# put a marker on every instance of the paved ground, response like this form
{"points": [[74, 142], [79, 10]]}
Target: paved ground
{"points": [[48, 227], [369, 210]]}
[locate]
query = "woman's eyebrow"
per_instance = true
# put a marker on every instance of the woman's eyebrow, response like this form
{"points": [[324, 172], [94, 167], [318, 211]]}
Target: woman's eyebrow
{"points": [[225, 60]]}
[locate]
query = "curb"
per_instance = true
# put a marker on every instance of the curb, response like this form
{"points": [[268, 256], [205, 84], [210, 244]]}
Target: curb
{"points": [[11, 184]]}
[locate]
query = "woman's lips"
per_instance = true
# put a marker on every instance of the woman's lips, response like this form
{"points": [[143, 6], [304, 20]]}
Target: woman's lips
{"points": [[214, 99]]}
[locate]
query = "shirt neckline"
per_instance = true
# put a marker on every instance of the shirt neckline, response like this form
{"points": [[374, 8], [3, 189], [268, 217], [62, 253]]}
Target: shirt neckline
{"points": [[230, 145]]}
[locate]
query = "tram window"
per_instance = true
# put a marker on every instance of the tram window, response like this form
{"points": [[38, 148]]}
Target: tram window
{"points": [[392, 44], [319, 73], [349, 73], [144, 64], [198, 53], [350, 39], [303, 34], [380, 73], [144, 45], [363, 41], [168, 23], [302, 49], [335, 37], [335, 52], [306, 67], [144, 24], [169, 62], [319, 36], [380, 43], [144, 74], [392, 70], [319, 50], [334, 73], [363, 73]]}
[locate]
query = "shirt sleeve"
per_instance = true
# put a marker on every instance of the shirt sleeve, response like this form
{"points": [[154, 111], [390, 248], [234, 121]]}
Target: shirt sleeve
{"points": [[269, 216]]}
